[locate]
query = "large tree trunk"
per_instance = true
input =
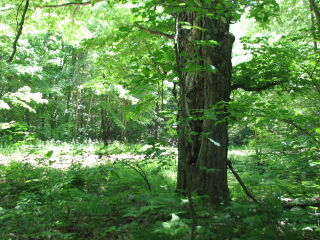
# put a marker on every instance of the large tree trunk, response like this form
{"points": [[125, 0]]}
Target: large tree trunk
{"points": [[205, 152], [314, 8]]}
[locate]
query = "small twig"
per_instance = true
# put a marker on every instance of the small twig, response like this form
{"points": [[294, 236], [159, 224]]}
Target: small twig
{"points": [[14, 46], [245, 189]]}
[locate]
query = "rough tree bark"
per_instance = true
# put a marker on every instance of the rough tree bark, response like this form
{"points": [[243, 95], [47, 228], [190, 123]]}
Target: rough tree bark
{"points": [[205, 153], [314, 8]]}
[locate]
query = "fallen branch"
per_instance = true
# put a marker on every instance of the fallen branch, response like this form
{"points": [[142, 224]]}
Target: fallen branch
{"points": [[302, 204], [245, 189], [15, 42], [71, 4]]}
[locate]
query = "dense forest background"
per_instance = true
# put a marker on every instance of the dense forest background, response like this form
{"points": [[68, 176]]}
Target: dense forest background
{"points": [[93, 109]]}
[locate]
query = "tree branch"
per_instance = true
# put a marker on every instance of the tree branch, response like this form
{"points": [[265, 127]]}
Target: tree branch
{"points": [[245, 189], [156, 33], [302, 130], [71, 4], [15, 42], [254, 89], [310, 74]]}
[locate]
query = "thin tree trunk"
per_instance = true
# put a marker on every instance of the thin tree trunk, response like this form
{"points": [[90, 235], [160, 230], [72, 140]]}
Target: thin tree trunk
{"points": [[104, 123], [156, 123], [89, 113], [104, 131], [162, 94], [68, 105], [77, 110]]}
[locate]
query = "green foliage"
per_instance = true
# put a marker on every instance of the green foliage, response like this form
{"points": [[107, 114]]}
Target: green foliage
{"points": [[110, 200], [94, 83], [15, 133], [88, 73], [22, 98], [72, 203]]}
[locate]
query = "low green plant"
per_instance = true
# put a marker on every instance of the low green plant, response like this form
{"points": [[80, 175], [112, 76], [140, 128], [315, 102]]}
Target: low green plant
{"points": [[111, 201]]}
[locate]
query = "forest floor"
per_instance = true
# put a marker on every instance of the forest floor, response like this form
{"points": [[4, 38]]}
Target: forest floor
{"points": [[64, 155], [65, 161], [56, 190]]}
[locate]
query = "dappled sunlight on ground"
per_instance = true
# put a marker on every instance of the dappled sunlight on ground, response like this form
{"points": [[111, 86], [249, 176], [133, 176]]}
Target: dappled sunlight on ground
{"points": [[65, 161], [240, 152]]}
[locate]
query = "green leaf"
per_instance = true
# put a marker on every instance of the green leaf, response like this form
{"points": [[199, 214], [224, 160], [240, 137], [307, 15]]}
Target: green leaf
{"points": [[49, 154], [210, 43], [210, 170]]}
